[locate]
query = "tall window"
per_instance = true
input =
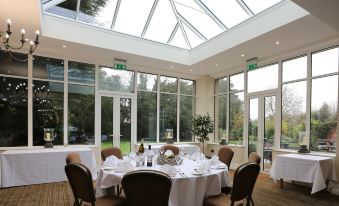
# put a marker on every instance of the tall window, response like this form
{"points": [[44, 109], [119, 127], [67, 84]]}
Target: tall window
{"points": [[229, 109], [116, 80], [264, 78], [48, 99], [147, 107], [293, 105], [81, 100], [13, 102], [187, 105], [324, 101]]}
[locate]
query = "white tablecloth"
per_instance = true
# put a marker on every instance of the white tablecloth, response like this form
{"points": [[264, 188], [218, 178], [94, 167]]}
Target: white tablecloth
{"points": [[304, 168], [187, 148], [185, 191], [26, 167]]}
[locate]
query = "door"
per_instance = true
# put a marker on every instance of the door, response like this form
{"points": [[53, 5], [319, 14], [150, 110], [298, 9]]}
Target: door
{"points": [[116, 122], [261, 124]]}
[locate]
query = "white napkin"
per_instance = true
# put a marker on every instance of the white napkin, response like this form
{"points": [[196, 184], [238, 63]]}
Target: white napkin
{"points": [[203, 167], [111, 161], [168, 169], [198, 156], [124, 166], [214, 160]]}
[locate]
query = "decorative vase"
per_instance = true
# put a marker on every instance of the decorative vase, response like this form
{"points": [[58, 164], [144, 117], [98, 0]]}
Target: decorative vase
{"points": [[49, 137]]}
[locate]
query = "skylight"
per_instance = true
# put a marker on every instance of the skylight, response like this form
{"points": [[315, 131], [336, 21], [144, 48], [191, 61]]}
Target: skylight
{"points": [[181, 23]]}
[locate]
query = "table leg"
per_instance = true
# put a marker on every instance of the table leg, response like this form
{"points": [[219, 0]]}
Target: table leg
{"points": [[281, 183]]}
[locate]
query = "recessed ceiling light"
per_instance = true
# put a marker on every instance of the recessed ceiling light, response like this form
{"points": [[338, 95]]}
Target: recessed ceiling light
{"points": [[216, 65], [191, 70], [171, 66], [277, 42], [64, 46], [242, 55]]}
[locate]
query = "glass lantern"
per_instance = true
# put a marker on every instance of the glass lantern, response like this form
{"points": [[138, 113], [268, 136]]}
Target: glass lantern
{"points": [[48, 137]]}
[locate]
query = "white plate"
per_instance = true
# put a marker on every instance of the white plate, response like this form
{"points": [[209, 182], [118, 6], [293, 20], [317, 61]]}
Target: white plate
{"points": [[108, 167], [197, 173]]}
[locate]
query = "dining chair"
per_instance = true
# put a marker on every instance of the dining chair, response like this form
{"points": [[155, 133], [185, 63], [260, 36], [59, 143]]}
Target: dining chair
{"points": [[173, 148], [74, 157], [243, 183], [111, 151], [254, 157], [225, 155], [80, 179], [147, 188]]}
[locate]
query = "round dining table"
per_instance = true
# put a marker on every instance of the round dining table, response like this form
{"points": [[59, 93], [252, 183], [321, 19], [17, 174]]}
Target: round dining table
{"points": [[189, 187]]}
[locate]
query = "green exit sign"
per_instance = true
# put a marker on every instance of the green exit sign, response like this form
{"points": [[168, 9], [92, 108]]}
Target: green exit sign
{"points": [[251, 67], [120, 66]]}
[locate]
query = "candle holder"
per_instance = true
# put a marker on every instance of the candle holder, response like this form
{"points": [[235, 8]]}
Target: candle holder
{"points": [[49, 137], [169, 136]]}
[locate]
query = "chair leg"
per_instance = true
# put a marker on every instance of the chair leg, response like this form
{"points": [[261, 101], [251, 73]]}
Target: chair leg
{"points": [[248, 201], [232, 203], [252, 201]]}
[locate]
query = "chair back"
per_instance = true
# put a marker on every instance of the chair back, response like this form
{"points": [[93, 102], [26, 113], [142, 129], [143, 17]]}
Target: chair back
{"points": [[147, 188], [226, 155], [111, 151], [244, 180], [73, 157], [254, 157], [173, 148], [80, 179]]}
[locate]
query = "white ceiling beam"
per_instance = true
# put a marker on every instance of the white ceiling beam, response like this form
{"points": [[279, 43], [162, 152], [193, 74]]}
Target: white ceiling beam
{"points": [[190, 26], [150, 16], [211, 14], [245, 7], [180, 23], [51, 3], [117, 7], [173, 34]]}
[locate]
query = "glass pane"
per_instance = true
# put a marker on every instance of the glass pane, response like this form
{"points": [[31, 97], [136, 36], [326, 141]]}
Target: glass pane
{"points": [[192, 37], [186, 112], [258, 6], [187, 87], [237, 82], [147, 82], [202, 22], [293, 115], [221, 116], [10, 66], [147, 116], [324, 114], [168, 115], [132, 16], [125, 125], [80, 114], [48, 68], [325, 62], [13, 110], [263, 78], [229, 12], [162, 23], [66, 9], [81, 72], [294, 69], [269, 131], [253, 123], [106, 122], [48, 111], [236, 118], [168, 84], [179, 40], [97, 12], [116, 80], [221, 86]]}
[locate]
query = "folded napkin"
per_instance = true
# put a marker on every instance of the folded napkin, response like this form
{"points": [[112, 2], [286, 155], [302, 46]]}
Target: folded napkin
{"points": [[111, 161], [203, 167], [198, 156], [214, 160], [124, 166], [168, 169]]}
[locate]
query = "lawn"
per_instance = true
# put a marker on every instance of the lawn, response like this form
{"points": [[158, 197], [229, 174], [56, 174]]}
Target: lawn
{"points": [[125, 146]]}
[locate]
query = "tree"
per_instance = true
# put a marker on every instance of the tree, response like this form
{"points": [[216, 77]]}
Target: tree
{"points": [[202, 125], [89, 7]]}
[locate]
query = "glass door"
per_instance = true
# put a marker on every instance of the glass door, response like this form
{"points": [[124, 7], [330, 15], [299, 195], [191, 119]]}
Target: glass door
{"points": [[116, 122], [261, 127]]}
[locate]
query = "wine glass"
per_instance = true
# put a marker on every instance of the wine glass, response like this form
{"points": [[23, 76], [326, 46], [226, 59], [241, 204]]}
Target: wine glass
{"points": [[161, 150]]}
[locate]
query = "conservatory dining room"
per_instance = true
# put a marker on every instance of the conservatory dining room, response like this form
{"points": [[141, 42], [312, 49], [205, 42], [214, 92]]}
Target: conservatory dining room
{"points": [[169, 102]]}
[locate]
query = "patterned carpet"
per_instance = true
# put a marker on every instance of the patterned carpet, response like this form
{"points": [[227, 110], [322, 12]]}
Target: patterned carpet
{"points": [[266, 193]]}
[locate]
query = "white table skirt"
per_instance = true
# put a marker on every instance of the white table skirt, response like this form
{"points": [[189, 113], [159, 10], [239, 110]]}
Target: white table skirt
{"points": [[26, 167], [304, 168], [185, 191], [189, 149]]}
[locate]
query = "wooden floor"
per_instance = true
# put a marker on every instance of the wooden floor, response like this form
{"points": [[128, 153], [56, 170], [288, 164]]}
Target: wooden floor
{"points": [[266, 193]]}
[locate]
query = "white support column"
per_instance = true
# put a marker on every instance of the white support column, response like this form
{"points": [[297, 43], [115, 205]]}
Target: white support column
{"points": [[30, 100]]}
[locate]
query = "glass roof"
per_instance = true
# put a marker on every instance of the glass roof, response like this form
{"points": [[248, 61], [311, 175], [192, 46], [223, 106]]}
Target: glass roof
{"points": [[181, 23]]}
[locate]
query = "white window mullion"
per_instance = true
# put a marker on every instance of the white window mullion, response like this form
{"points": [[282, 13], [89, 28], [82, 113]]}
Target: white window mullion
{"points": [[97, 115], [178, 110], [30, 100], [228, 108], [278, 103], [65, 101], [308, 99], [158, 108]]}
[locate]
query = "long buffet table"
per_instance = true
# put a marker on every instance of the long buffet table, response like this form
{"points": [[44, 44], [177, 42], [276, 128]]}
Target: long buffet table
{"points": [[37, 166]]}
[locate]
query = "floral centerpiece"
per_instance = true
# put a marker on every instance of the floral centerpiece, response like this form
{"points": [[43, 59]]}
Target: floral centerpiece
{"points": [[168, 158]]}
